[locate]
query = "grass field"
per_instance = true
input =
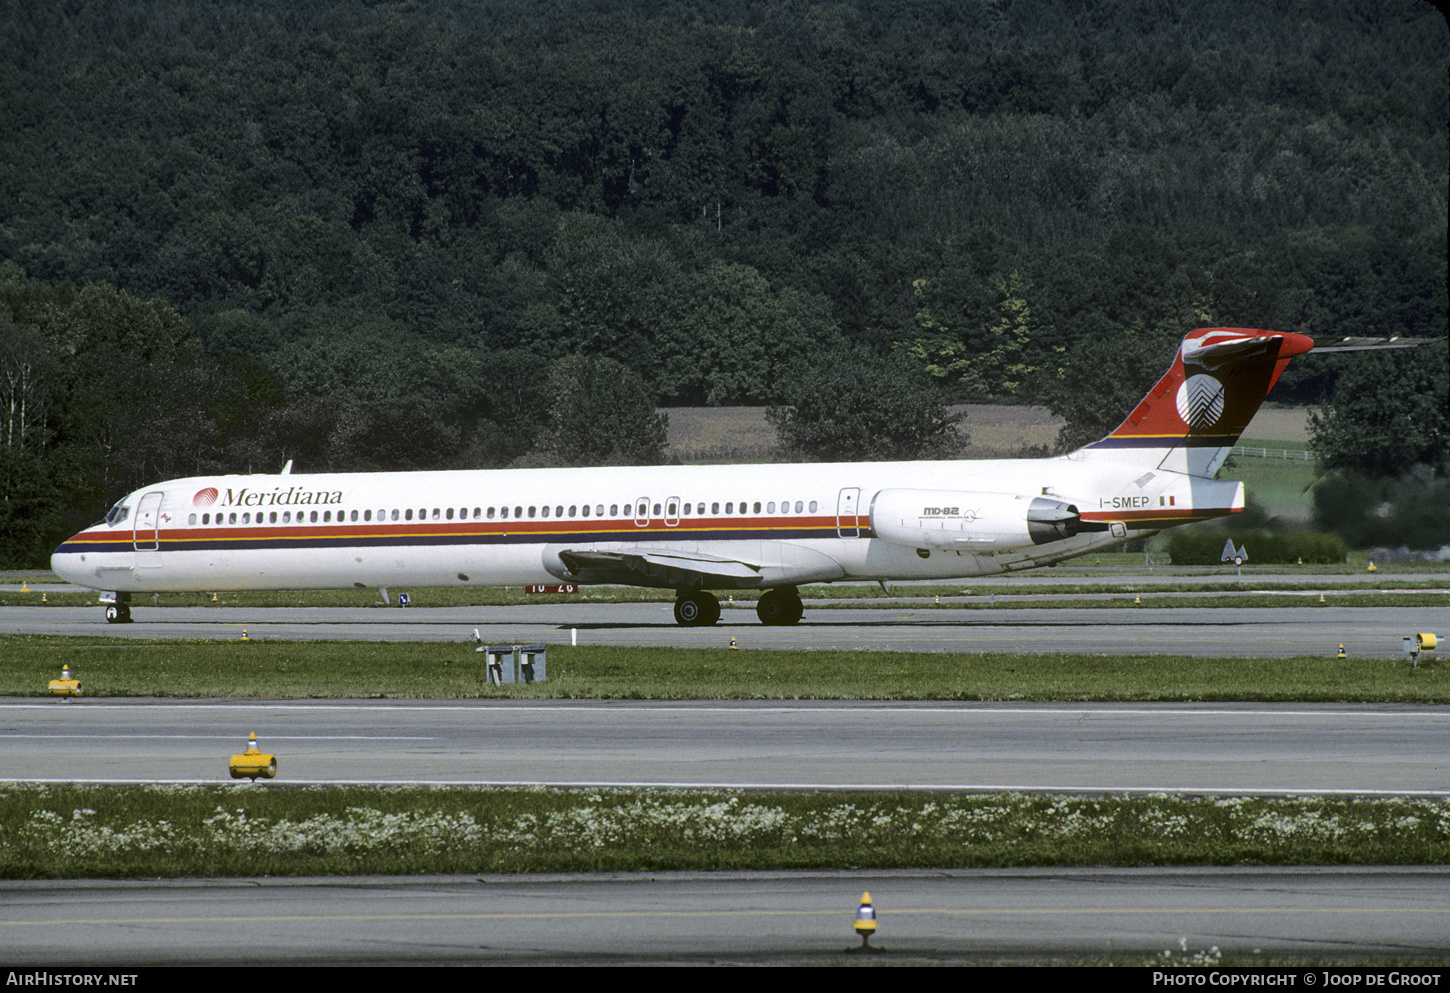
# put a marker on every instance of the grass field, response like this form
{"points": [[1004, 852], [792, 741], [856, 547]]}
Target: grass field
{"points": [[119, 667], [49, 832]]}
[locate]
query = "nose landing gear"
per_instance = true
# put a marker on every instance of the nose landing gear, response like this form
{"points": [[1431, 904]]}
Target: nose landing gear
{"points": [[118, 607]]}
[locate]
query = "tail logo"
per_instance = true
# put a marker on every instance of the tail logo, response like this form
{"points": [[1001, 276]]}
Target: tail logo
{"points": [[1200, 401]]}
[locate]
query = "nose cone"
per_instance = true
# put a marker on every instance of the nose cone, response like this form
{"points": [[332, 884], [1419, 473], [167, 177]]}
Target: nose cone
{"points": [[68, 563]]}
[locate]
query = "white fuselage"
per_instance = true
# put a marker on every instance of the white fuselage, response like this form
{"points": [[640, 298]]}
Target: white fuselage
{"points": [[755, 526]]}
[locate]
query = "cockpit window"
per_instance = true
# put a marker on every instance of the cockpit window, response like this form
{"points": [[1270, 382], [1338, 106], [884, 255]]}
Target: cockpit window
{"points": [[118, 513]]}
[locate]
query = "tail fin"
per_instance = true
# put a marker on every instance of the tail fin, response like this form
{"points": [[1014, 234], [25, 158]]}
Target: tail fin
{"points": [[1191, 419]]}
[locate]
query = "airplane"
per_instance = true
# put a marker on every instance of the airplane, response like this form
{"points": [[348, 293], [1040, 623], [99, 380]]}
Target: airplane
{"points": [[697, 529]]}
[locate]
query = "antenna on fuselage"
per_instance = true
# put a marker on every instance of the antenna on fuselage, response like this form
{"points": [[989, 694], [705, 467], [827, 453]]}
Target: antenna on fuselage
{"points": [[287, 469]]}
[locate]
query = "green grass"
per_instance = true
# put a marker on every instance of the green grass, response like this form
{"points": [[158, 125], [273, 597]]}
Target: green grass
{"points": [[115, 667], [101, 832], [1279, 486]]}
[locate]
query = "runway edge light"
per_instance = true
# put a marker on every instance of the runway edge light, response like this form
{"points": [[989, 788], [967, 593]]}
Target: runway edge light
{"points": [[65, 687], [253, 762], [865, 921]]}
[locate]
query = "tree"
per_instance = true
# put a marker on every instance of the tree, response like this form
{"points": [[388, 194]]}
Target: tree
{"points": [[1102, 377], [1412, 509], [1387, 412], [733, 336], [993, 356], [862, 406], [600, 413]]}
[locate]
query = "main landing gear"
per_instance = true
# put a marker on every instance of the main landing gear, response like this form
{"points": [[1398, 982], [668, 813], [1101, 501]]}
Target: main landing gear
{"points": [[782, 606], [697, 609], [701, 609]]}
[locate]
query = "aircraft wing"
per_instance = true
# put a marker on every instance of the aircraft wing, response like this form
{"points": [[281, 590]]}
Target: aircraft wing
{"points": [[658, 567]]}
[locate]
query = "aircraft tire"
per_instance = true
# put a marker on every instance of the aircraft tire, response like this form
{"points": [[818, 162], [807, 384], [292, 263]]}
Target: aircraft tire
{"points": [[687, 612], [711, 613], [697, 610], [796, 610], [118, 613], [777, 607]]}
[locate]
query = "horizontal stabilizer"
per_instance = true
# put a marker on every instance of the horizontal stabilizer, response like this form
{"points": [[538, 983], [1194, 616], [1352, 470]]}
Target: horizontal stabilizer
{"points": [[1335, 343]]}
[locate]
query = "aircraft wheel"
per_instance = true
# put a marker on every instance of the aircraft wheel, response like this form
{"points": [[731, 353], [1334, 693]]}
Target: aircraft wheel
{"points": [[795, 610], [710, 614], [779, 607], [697, 610], [687, 612], [118, 613]]}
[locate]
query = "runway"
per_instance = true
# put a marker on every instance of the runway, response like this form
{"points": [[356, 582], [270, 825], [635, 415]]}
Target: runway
{"points": [[951, 917], [1211, 748], [942, 916], [1283, 632]]}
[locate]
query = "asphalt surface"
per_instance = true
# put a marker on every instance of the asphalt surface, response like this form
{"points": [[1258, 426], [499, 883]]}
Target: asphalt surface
{"points": [[1210, 748], [1390, 914], [938, 917], [1366, 632]]}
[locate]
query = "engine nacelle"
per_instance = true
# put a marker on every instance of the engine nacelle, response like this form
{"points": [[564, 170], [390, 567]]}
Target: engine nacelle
{"points": [[962, 520]]}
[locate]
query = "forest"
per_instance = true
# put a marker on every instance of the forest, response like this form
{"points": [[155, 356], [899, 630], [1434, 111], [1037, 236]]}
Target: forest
{"points": [[412, 234]]}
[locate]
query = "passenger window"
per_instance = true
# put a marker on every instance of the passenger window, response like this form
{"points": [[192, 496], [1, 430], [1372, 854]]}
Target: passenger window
{"points": [[408, 515], [714, 508], [614, 510], [757, 506], [584, 508], [518, 512], [770, 507], [533, 511], [730, 508], [436, 514], [599, 510], [231, 518], [559, 511], [450, 513], [813, 506], [546, 511]]}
